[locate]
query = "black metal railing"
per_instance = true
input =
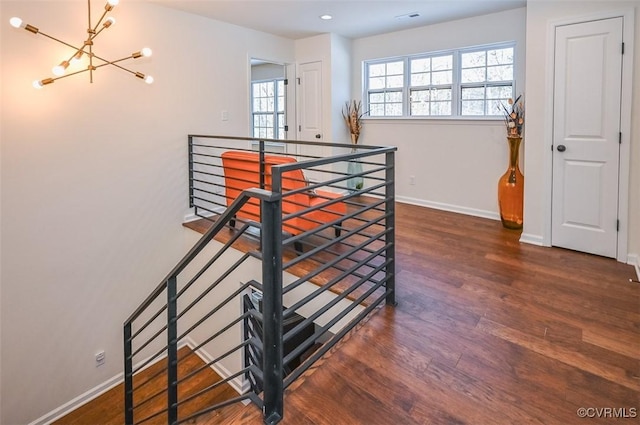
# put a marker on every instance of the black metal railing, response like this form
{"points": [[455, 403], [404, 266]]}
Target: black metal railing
{"points": [[300, 250]]}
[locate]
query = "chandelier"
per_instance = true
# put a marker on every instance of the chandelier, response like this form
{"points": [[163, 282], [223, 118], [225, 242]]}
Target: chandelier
{"points": [[86, 49]]}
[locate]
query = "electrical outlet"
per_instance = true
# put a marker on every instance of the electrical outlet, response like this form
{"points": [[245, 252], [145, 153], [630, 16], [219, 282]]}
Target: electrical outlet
{"points": [[412, 180], [224, 115], [100, 358]]}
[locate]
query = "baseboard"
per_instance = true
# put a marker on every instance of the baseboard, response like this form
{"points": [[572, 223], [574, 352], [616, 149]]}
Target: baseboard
{"points": [[79, 401], [91, 394], [202, 214], [449, 207], [532, 239], [634, 260]]}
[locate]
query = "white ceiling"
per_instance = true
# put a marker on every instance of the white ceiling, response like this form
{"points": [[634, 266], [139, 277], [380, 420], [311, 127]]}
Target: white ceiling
{"points": [[296, 19]]}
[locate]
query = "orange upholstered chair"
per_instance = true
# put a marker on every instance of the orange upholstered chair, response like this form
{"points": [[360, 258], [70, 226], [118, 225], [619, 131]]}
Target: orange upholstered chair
{"points": [[242, 171]]}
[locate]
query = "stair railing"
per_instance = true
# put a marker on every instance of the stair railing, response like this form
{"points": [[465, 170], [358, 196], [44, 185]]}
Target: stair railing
{"points": [[332, 283]]}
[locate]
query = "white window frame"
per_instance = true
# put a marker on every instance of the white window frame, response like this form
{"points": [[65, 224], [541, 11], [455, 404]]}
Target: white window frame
{"points": [[456, 85], [278, 117]]}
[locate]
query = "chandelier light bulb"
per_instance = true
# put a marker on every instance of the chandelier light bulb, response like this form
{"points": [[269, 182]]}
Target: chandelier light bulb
{"points": [[148, 79], [15, 22], [76, 58], [59, 70], [146, 52], [113, 2], [37, 84], [109, 21]]}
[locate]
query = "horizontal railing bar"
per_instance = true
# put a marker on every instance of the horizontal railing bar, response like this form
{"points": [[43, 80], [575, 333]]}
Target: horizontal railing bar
{"points": [[215, 310], [204, 269], [160, 412], [218, 406], [322, 329], [289, 142], [204, 240], [149, 341], [306, 233], [329, 264], [319, 248], [148, 322], [295, 374], [214, 386], [208, 364], [344, 294]]}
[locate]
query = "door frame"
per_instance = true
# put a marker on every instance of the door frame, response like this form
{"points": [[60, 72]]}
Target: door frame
{"points": [[628, 17]]}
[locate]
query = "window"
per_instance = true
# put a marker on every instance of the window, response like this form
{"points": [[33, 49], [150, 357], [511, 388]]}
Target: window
{"points": [[268, 106], [464, 82], [486, 80]]}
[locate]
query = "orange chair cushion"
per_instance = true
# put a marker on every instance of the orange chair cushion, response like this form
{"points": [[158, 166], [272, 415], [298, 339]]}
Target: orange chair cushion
{"points": [[242, 171]]}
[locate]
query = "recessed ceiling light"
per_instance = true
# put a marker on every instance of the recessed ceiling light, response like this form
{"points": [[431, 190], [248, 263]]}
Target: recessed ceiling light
{"points": [[408, 15], [326, 17]]}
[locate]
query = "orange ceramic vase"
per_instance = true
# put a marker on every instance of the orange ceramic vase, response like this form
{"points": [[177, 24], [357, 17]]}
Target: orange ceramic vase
{"points": [[511, 188]]}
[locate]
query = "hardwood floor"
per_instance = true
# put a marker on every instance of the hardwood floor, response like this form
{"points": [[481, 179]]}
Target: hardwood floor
{"points": [[108, 409], [487, 331]]}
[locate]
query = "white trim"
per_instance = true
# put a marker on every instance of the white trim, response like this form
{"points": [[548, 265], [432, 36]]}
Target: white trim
{"points": [[240, 385], [79, 401], [628, 16], [449, 207], [634, 260], [532, 239], [92, 394], [95, 392], [205, 214]]}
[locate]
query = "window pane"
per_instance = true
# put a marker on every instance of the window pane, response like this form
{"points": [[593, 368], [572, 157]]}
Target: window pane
{"points": [[500, 73], [376, 97], [377, 70], [394, 96], [393, 110], [376, 110], [376, 83], [421, 65], [395, 68], [473, 59], [419, 108], [395, 82], [441, 108], [443, 77], [473, 75], [422, 79], [472, 107], [420, 96], [500, 56], [440, 63], [473, 93], [499, 92], [441, 94]]}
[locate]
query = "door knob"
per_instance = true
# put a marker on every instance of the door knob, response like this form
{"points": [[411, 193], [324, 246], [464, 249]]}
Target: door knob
{"points": [[561, 148], [318, 136]]}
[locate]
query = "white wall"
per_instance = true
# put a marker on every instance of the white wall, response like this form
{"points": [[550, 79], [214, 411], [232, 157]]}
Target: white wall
{"points": [[94, 182], [456, 163], [540, 15]]}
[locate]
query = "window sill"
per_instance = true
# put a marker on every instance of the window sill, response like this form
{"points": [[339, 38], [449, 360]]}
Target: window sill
{"points": [[437, 120]]}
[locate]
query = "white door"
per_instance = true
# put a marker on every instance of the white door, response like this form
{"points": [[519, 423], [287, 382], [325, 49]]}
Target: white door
{"points": [[310, 111], [586, 119]]}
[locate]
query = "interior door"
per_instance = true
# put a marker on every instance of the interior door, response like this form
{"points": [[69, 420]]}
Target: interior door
{"points": [[588, 77], [309, 106]]}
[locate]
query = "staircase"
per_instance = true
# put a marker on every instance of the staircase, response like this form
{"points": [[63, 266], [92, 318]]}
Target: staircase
{"points": [[258, 309]]}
